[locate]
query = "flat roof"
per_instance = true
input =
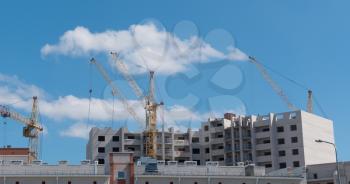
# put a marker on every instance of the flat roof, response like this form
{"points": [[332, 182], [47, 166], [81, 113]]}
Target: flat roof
{"points": [[14, 151]]}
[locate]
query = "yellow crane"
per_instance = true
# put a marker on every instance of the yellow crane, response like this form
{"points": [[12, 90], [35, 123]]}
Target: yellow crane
{"points": [[150, 105], [279, 91], [148, 101], [151, 120], [32, 128]]}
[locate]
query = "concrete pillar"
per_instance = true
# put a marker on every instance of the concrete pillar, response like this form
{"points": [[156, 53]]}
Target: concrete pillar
{"points": [[233, 149], [172, 144], [142, 144], [122, 139], [190, 142], [241, 140], [163, 142], [273, 142], [253, 139]]}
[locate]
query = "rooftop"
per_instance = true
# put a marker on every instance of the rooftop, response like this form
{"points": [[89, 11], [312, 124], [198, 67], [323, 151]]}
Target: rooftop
{"points": [[14, 151], [42, 169]]}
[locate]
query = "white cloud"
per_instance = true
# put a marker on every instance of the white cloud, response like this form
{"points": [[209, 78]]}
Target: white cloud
{"points": [[141, 45], [14, 90], [237, 55], [19, 95], [77, 130], [73, 108]]}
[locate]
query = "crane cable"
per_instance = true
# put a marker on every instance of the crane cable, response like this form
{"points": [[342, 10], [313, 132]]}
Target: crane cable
{"points": [[5, 133], [90, 92], [284, 76], [297, 84], [113, 109], [41, 138]]}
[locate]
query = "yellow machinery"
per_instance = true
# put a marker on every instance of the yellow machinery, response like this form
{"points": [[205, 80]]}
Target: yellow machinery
{"points": [[147, 101], [32, 128]]}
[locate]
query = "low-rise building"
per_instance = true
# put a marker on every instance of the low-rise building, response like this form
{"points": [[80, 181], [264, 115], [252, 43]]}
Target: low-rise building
{"points": [[120, 168], [327, 173], [41, 173], [123, 170], [9, 154]]}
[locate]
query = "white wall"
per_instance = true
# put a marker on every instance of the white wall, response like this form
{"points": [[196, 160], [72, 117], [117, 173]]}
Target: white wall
{"points": [[313, 128]]}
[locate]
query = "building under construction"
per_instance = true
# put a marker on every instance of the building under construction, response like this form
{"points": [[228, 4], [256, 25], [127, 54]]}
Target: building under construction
{"points": [[275, 141]]}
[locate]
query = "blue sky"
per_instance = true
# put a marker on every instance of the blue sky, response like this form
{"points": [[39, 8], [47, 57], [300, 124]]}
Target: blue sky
{"points": [[306, 40]]}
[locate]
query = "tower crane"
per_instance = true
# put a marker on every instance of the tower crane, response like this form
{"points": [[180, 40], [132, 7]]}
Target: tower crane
{"points": [[279, 91], [32, 127], [150, 104]]}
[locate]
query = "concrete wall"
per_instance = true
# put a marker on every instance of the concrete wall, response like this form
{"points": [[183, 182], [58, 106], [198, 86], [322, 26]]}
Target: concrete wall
{"points": [[54, 179], [326, 173], [215, 180], [315, 127]]}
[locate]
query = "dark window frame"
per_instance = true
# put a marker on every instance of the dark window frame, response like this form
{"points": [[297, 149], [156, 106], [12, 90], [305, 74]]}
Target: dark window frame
{"points": [[198, 151], [281, 153], [295, 151], [294, 139], [115, 138], [280, 141], [293, 128], [282, 165], [115, 149], [101, 138], [101, 161], [280, 129], [296, 164], [101, 150]]}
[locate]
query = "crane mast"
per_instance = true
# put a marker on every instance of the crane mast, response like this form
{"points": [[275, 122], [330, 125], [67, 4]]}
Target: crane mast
{"points": [[32, 127], [309, 102], [151, 119]]}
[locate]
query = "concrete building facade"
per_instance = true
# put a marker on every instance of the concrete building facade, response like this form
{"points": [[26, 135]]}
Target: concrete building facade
{"points": [[275, 141], [190, 173], [327, 173], [39, 173], [9, 154]]}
